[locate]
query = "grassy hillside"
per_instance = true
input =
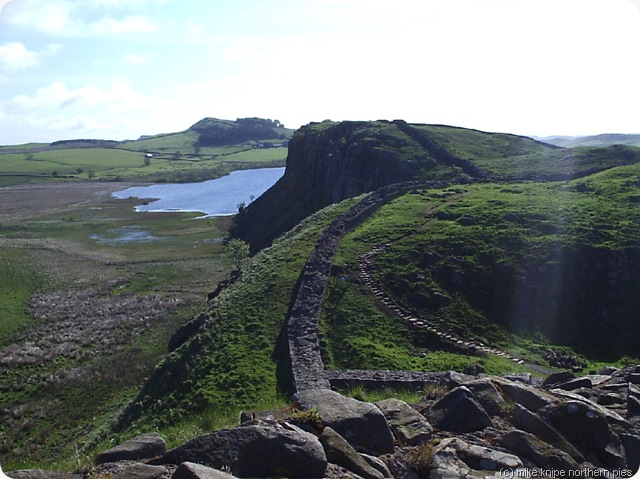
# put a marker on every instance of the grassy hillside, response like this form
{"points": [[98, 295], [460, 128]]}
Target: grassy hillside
{"points": [[182, 156], [330, 161], [531, 248], [553, 263], [237, 361], [509, 264]]}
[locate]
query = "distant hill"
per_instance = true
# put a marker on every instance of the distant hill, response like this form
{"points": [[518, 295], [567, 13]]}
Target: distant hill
{"points": [[208, 149], [215, 132], [595, 140]]}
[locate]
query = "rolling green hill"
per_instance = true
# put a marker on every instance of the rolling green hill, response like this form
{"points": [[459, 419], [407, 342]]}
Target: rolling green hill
{"points": [[191, 155]]}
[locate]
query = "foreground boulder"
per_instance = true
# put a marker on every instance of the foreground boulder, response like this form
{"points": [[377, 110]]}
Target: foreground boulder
{"points": [[409, 426], [587, 428], [41, 474], [530, 422], [362, 424], [543, 455], [454, 458], [255, 451], [146, 446], [458, 411], [340, 452], [189, 470]]}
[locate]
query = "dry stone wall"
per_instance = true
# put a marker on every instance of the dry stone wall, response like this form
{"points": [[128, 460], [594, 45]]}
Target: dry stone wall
{"points": [[308, 371]]}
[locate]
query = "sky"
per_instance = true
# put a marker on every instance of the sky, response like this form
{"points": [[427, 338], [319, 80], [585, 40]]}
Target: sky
{"points": [[119, 69]]}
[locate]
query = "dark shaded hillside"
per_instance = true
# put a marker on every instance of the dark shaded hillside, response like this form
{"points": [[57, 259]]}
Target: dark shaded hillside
{"points": [[536, 259], [328, 162], [216, 132]]}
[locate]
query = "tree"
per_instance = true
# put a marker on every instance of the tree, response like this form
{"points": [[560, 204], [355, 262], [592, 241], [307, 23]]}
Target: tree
{"points": [[237, 252]]}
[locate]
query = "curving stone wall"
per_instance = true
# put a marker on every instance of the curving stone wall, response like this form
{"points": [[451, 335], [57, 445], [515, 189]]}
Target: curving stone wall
{"points": [[302, 322]]}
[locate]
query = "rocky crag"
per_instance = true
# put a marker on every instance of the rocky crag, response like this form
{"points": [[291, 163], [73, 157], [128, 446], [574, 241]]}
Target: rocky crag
{"points": [[469, 426], [329, 161]]}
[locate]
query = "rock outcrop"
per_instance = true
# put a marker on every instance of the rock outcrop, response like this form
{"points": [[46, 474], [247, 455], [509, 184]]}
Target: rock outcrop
{"points": [[329, 162], [484, 426]]}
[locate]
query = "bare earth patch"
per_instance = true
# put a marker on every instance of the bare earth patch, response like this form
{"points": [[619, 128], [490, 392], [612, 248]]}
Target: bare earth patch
{"points": [[81, 324]]}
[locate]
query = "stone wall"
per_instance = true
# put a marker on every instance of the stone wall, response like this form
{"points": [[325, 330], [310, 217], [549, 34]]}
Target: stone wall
{"points": [[307, 368]]}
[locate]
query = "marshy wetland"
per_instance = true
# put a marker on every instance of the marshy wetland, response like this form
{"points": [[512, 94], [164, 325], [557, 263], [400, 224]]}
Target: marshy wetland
{"points": [[91, 292]]}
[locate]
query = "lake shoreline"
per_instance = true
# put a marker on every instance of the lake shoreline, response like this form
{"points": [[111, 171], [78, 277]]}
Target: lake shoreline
{"points": [[218, 197]]}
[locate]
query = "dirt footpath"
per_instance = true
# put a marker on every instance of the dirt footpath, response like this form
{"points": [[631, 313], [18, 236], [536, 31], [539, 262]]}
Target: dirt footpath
{"points": [[24, 201]]}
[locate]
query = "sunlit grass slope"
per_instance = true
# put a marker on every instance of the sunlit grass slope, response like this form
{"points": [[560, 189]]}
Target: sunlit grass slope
{"points": [[555, 263]]}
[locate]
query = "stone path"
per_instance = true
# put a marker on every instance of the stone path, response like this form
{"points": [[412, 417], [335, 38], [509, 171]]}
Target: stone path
{"points": [[418, 323]]}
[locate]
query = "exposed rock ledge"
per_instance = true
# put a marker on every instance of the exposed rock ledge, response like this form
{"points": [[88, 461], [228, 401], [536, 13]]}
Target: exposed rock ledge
{"points": [[478, 426]]}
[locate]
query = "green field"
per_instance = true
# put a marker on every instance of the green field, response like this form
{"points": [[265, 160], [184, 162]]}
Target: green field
{"points": [[164, 158]]}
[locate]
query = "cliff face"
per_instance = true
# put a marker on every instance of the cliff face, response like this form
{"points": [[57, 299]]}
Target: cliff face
{"points": [[327, 163]]}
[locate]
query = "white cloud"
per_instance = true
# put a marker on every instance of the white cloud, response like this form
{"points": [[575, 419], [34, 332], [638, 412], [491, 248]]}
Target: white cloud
{"points": [[15, 56], [57, 111], [129, 24], [73, 18], [48, 16], [134, 59], [117, 97]]}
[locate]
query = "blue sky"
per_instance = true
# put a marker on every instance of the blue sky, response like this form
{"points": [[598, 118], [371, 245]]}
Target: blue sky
{"points": [[118, 69]]}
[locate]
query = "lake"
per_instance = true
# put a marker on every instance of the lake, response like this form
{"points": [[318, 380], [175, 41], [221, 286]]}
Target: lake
{"points": [[219, 197]]}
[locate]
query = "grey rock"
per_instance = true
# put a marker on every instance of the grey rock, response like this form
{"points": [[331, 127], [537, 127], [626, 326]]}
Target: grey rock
{"points": [[146, 446], [608, 370], [631, 444], [610, 399], [378, 465], [42, 474], [587, 428], [524, 378], [574, 384], [487, 395], [458, 411], [142, 471], [634, 378], [277, 452], [474, 370], [454, 458], [190, 470], [255, 450], [523, 394], [454, 379], [532, 423], [340, 452], [362, 424], [558, 378], [612, 417], [408, 426], [633, 399], [586, 393], [544, 455]]}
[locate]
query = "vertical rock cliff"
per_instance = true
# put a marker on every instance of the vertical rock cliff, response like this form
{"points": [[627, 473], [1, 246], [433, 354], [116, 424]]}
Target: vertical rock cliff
{"points": [[327, 163]]}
